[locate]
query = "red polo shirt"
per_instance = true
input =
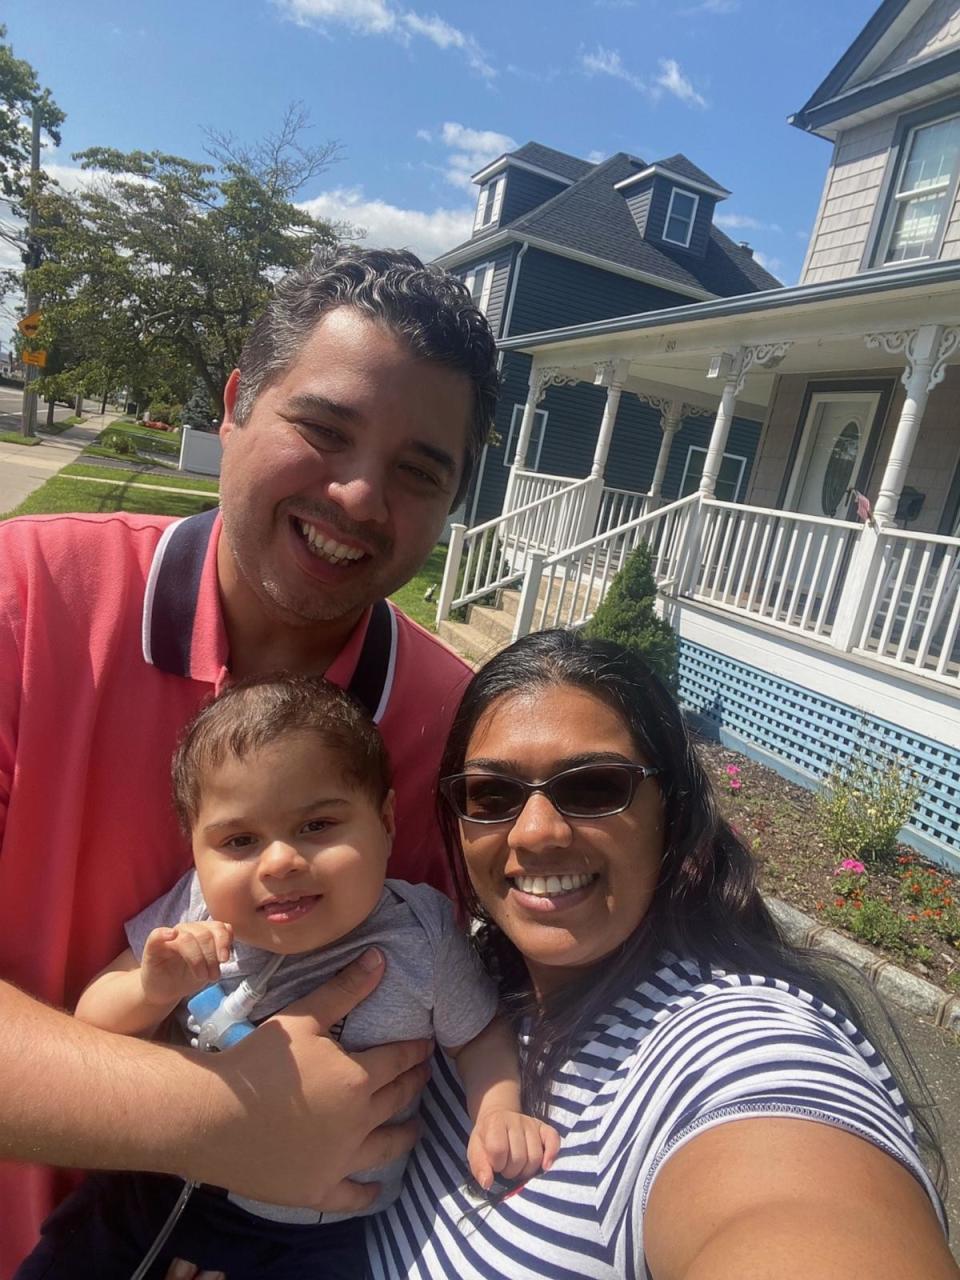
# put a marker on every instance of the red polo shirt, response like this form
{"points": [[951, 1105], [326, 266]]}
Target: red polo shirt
{"points": [[111, 638]]}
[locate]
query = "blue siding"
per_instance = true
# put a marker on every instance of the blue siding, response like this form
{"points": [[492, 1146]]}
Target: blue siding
{"points": [[502, 261], [657, 217], [556, 291], [803, 734], [525, 191]]}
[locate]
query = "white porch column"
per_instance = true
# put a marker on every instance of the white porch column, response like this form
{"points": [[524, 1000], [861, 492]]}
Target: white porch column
{"points": [[926, 351], [671, 413], [541, 377], [611, 374], [733, 367]]}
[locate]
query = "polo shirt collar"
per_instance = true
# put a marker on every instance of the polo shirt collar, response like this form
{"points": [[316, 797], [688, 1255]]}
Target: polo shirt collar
{"points": [[184, 634]]}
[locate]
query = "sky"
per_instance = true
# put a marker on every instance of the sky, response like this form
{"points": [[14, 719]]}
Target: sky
{"points": [[420, 98]]}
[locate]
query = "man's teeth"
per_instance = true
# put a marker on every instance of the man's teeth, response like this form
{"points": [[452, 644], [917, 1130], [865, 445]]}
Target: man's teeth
{"points": [[550, 886], [327, 548]]}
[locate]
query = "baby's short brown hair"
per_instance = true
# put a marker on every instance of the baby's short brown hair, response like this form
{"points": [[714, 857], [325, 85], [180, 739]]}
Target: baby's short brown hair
{"points": [[254, 713]]}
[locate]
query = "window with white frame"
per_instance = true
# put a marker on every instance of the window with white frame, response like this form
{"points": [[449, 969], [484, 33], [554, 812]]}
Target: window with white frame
{"points": [[479, 281], [681, 213], [922, 193], [536, 437], [489, 203], [729, 477]]}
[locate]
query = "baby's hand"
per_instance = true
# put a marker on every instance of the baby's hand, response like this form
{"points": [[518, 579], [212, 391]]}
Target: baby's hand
{"points": [[511, 1144], [178, 962]]}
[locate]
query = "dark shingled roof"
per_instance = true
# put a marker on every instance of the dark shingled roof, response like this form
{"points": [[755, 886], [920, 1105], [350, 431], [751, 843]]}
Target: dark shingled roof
{"points": [[591, 217], [556, 161], [684, 168]]}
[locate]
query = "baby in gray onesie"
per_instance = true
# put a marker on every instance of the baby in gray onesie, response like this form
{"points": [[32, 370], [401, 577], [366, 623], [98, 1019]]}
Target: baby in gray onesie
{"points": [[283, 783]]}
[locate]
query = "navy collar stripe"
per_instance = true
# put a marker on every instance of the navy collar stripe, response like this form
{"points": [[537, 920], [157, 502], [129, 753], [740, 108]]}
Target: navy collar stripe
{"points": [[170, 607]]}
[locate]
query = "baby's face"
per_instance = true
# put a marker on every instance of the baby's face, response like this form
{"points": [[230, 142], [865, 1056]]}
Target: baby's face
{"points": [[287, 851]]}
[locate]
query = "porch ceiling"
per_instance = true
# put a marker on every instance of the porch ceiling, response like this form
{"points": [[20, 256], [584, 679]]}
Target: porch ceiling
{"points": [[669, 352]]}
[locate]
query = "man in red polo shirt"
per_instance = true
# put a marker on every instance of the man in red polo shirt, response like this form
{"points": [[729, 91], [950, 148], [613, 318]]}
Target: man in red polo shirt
{"points": [[363, 397]]}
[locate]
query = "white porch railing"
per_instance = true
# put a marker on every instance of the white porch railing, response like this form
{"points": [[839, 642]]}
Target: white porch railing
{"points": [[494, 555], [564, 590], [620, 506], [781, 567], [912, 618], [531, 486]]}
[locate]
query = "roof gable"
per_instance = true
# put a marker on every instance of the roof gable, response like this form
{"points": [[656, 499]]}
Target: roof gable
{"points": [[555, 161]]}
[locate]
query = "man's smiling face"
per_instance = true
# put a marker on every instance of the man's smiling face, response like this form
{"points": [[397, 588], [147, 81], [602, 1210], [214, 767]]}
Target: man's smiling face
{"points": [[336, 488]]}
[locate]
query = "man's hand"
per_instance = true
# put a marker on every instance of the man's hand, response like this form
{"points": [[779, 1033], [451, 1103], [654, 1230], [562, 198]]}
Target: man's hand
{"points": [[511, 1144], [180, 961], [288, 1115]]}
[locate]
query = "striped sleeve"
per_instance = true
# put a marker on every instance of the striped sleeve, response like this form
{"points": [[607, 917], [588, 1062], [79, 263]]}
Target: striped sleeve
{"points": [[750, 1047]]}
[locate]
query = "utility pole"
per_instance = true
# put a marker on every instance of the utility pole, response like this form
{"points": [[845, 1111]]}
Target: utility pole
{"points": [[28, 416]]}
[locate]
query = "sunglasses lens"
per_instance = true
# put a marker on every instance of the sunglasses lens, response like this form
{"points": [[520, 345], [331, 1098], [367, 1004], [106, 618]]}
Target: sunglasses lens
{"points": [[487, 798], [590, 792]]}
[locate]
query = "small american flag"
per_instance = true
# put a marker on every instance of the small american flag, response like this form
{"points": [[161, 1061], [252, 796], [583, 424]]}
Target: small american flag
{"points": [[864, 509]]}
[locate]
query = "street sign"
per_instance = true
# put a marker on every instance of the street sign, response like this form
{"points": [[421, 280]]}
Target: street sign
{"points": [[39, 358], [29, 327]]}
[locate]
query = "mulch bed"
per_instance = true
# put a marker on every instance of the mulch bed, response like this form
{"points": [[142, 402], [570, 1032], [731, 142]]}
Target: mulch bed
{"points": [[906, 909]]}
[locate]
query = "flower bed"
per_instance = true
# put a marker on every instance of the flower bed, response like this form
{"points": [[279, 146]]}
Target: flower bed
{"points": [[902, 905]]}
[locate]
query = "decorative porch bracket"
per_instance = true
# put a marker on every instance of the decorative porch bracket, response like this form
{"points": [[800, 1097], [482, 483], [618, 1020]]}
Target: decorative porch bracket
{"points": [[765, 355], [672, 413], [926, 351], [551, 376]]}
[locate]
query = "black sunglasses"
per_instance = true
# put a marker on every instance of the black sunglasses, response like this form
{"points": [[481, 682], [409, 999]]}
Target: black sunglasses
{"points": [[587, 791]]}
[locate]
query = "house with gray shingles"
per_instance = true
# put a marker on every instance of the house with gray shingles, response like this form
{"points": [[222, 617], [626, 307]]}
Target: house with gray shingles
{"points": [[821, 613], [559, 241]]}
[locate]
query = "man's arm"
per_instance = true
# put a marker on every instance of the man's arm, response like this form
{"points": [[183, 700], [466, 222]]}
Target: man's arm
{"points": [[284, 1116]]}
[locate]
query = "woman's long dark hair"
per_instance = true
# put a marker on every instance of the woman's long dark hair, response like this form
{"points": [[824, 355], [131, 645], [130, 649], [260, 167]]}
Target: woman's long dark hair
{"points": [[706, 905]]}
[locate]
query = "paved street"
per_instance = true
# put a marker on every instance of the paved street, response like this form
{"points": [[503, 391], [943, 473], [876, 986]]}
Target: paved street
{"points": [[22, 468]]}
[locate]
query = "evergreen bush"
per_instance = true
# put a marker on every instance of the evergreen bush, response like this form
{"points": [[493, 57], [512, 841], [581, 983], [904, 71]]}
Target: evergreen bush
{"points": [[628, 616]]}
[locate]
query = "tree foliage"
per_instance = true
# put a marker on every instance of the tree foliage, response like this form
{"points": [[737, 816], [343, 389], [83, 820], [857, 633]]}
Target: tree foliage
{"points": [[162, 263], [19, 92], [628, 616]]}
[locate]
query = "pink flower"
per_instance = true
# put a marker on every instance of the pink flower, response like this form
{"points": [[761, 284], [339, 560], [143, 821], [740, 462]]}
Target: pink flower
{"points": [[733, 770], [852, 865], [735, 784]]}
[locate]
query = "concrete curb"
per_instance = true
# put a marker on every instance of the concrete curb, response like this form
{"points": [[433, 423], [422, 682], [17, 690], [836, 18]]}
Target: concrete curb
{"points": [[916, 995]]}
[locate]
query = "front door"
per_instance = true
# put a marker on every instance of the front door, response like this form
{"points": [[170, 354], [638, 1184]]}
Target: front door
{"points": [[831, 452]]}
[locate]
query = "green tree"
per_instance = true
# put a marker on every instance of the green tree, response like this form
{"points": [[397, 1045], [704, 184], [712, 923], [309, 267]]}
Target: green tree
{"points": [[628, 616], [163, 261], [20, 91]]}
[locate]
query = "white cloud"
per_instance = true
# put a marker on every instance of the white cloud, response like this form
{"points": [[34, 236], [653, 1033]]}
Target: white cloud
{"points": [[595, 157], [773, 265], [381, 18], [470, 150], [744, 222], [672, 79], [387, 226], [607, 62]]}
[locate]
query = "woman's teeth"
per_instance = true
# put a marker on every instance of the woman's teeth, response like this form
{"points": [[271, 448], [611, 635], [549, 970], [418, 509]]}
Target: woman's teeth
{"points": [[327, 548], [551, 886]]}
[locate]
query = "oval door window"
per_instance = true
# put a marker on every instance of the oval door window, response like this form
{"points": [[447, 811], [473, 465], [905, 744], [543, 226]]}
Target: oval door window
{"points": [[839, 468]]}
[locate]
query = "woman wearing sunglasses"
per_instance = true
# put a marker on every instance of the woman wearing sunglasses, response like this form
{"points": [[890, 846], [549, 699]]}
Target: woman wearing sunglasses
{"points": [[722, 1116]]}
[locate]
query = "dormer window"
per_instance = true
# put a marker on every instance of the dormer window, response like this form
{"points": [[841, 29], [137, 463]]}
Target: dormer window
{"points": [[922, 196], [681, 213], [479, 282], [490, 203]]}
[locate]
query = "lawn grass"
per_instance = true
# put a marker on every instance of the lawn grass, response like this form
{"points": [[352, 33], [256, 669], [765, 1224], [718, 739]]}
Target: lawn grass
{"points": [[143, 440], [56, 428], [132, 475], [14, 437], [410, 598], [64, 493]]}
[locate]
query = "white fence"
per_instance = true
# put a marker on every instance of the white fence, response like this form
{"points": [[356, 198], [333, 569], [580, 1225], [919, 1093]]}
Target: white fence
{"points": [[531, 486], [494, 555], [620, 506], [912, 617], [200, 451], [781, 567]]}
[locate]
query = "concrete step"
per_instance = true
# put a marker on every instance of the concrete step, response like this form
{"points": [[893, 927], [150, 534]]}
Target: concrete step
{"points": [[491, 622], [470, 643]]}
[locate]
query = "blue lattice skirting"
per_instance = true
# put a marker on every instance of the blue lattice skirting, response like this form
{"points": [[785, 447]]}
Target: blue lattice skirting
{"points": [[802, 734]]}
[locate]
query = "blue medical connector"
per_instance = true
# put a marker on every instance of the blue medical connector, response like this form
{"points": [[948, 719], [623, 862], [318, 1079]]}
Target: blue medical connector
{"points": [[220, 1019]]}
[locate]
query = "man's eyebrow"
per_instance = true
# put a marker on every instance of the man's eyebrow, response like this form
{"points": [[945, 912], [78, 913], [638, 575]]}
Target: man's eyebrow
{"points": [[439, 456], [307, 403]]}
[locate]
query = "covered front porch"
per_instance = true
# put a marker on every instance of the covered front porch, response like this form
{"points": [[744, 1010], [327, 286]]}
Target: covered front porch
{"points": [[846, 544]]}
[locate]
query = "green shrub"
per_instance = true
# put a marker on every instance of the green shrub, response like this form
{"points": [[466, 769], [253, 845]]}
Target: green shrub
{"points": [[628, 616], [874, 920], [865, 802], [162, 411], [118, 442]]}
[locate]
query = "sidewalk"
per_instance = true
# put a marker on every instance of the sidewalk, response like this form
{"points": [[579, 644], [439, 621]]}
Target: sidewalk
{"points": [[24, 469]]}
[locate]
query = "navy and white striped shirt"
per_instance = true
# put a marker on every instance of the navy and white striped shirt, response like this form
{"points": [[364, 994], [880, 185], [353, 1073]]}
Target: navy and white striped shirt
{"points": [[689, 1049]]}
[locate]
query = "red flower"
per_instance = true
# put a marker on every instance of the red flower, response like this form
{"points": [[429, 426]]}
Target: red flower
{"points": [[839, 902]]}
